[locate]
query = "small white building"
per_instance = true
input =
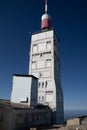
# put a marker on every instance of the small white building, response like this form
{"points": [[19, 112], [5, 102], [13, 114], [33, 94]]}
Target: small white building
{"points": [[24, 89]]}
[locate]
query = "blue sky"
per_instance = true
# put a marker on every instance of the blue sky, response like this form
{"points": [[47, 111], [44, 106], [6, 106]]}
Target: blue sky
{"points": [[69, 19]]}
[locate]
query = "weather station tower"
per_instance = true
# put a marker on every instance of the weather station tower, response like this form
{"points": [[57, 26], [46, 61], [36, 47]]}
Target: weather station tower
{"points": [[44, 63]]}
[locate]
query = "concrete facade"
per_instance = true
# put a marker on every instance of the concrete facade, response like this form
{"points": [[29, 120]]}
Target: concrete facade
{"points": [[24, 90], [45, 64]]}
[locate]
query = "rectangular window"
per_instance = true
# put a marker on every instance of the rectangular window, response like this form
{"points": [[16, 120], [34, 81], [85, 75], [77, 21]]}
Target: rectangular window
{"points": [[42, 84], [46, 74], [40, 64], [37, 55], [42, 47], [33, 64], [48, 46], [39, 84], [39, 97], [49, 91], [34, 48], [46, 53], [48, 64], [45, 84], [42, 98]]}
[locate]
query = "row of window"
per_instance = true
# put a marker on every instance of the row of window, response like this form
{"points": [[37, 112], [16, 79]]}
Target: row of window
{"points": [[46, 60], [43, 84], [49, 91], [41, 64], [43, 74], [41, 98], [41, 47], [38, 55], [41, 43]]}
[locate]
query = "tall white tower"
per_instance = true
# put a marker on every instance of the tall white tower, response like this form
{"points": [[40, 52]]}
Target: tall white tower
{"points": [[45, 64]]}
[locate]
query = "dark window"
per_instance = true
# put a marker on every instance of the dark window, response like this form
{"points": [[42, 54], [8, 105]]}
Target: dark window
{"points": [[42, 84], [41, 55], [34, 44], [42, 97], [39, 84], [46, 84], [48, 41], [48, 59]]}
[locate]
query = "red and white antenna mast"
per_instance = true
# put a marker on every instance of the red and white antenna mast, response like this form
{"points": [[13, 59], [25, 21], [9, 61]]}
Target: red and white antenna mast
{"points": [[46, 6], [46, 19]]}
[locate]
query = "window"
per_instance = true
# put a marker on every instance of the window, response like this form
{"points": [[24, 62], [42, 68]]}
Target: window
{"points": [[42, 47], [39, 84], [46, 84], [33, 61], [49, 45], [49, 91], [48, 41], [40, 64], [40, 74], [48, 63], [33, 65], [39, 97], [42, 98], [46, 74], [48, 60], [37, 55], [42, 84], [34, 48], [41, 54], [45, 53]]}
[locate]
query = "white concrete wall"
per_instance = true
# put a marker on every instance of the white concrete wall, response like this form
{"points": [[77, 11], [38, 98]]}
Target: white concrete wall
{"points": [[45, 64], [21, 90]]}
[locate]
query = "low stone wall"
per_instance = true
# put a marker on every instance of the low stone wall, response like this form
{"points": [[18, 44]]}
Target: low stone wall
{"points": [[75, 121]]}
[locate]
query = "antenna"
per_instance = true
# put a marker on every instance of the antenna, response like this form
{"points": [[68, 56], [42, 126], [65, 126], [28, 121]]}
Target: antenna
{"points": [[46, 19], [46, 6]]}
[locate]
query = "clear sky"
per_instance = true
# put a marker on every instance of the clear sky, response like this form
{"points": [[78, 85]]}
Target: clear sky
{"points": [[69, 19]]}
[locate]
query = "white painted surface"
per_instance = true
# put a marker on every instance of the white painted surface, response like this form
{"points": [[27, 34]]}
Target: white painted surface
{"points": [[49, 34], [34, 49], [33, 65], [48, 70], [41, 36], [49, 98], [42, 47], [46, 16], [35, 74], [34, 37], [40, 64], [22, 89], [46, 74], [48, 63], [48, 46]]}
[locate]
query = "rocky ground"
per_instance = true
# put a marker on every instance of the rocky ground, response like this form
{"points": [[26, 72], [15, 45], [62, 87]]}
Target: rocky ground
{"points": [[75, 127]]}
